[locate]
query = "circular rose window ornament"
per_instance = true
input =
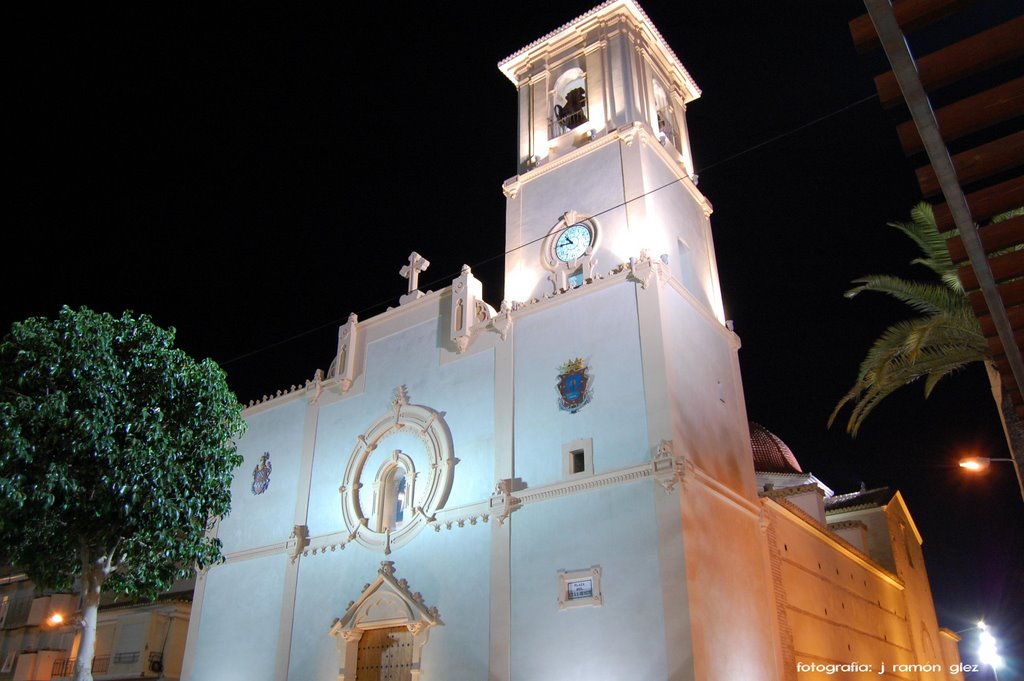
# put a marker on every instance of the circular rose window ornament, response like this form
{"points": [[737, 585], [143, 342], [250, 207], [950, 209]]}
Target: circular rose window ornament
{"points": [[399, 474]]}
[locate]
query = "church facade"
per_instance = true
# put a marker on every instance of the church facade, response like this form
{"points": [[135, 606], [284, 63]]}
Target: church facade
{"points": [[557, 487]]}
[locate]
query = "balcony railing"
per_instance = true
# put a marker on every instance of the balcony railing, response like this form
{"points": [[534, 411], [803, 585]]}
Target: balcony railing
{"points": [[569, 119], [66, 666], [126, 658], [17, 612]]}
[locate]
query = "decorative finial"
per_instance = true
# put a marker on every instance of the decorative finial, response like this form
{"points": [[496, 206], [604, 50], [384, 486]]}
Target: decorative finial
{"points": [[401, 397]]}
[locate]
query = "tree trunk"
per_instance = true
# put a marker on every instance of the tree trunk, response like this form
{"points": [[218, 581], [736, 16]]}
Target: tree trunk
{"points": [[92, 580]]}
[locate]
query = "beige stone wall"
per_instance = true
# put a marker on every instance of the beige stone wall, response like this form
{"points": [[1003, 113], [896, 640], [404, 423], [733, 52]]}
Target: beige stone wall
{"points": [[909, 561], [841, 615], [732, 619]]}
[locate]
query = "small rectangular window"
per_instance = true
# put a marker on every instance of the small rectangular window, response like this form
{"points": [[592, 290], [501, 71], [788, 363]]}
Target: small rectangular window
{"points": [[578, 461], [578, 458]]}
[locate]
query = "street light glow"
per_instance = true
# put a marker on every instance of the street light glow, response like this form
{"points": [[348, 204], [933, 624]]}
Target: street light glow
{"points": [[988, 651], [975, 463], [55, 619]]}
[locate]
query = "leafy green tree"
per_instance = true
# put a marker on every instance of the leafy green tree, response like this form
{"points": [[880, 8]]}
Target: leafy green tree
{"points": [[944, 337], [116, 452]]}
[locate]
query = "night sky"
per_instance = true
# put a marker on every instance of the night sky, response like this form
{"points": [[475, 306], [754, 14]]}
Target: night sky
{"points": [[251, 177]]}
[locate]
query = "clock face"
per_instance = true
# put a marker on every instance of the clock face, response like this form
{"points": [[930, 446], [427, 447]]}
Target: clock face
{"points": [[573, 242]]}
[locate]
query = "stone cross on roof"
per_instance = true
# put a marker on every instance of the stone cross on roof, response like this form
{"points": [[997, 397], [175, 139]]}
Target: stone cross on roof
{"points": [[417, 264]]}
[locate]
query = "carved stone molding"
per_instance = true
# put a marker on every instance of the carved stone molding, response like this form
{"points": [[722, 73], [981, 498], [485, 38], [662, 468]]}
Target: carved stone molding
{"points": [[469, 312], [664, 468], [461, 521], [643, 269], [315, 387], [570, 487], [431, 494], [629, 132], [386, 602], [280, 393], [352, 635], [511, 187], [297, 542], [502, 322], [503, 502], [671, 469], [344, 367]]}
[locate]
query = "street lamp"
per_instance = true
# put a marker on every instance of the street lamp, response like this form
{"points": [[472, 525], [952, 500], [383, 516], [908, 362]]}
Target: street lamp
{"points": [[988, 650], [978, 463]]}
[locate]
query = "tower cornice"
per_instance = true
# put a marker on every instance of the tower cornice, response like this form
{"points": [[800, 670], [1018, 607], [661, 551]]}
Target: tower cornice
{"points": [[627, 134], [512, 66]]}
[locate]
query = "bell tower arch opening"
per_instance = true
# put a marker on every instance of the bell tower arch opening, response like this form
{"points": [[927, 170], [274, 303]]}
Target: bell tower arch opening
{"points": [[570, 101]]}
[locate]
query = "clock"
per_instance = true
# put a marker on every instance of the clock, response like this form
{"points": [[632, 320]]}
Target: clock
{"points": [[573, 242]]}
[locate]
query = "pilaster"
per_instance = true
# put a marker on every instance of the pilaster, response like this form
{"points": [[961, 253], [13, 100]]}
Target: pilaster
{"points": [[667, 497], [192, 638], [291, 575], [500, 647]]}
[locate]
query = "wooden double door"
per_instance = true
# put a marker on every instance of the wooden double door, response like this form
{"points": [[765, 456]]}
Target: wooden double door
{"points": [[385, 655]]}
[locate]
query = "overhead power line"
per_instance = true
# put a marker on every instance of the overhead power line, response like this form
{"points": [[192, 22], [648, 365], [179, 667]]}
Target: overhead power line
{"points": [[447, 278]]}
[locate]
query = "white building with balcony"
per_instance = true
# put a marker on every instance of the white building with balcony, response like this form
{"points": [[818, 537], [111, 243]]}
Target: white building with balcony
{"points": [[39, 634]]}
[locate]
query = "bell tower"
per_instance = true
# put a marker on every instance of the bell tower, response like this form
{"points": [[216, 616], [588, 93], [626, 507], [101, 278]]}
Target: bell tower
{"points": [[605, 167]]}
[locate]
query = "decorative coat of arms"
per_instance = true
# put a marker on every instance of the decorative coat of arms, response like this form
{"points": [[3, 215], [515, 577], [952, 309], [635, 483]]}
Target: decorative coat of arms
{"points": [[574, 390], [261, 474]]}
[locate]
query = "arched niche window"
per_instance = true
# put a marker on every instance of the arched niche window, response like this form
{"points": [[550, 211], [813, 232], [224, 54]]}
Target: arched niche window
{"points": [[570, 101], [424, 432], [394, 488]]}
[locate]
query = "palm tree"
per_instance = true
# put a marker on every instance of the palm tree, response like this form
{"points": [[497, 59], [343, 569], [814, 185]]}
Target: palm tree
{"points": [[944, 337]]}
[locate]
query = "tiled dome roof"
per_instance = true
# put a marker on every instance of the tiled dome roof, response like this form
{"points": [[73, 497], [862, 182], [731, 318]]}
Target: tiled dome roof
{"points": [[771, 455]]}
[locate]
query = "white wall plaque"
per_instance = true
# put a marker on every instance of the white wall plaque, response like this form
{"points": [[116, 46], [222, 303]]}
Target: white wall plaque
{"points": [[579, 587]]}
